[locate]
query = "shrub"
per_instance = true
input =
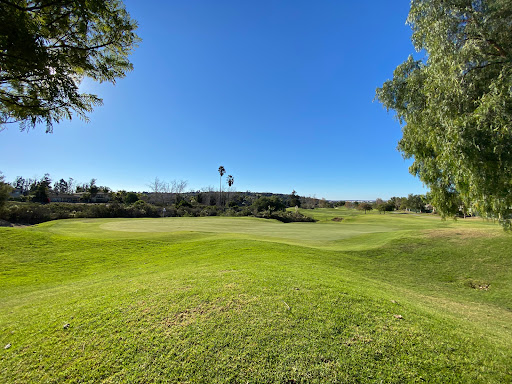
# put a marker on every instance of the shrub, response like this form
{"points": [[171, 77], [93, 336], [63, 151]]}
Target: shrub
{"points": [[245, 211], [183, 204], [131, 198], [142, 209], [285, 217], [268, 203], [26, 213], [209, 211]]}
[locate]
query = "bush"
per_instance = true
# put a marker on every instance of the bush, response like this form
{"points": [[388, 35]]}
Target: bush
{"points": [[183, 204], [35, 213], [209, 211], [26, 213], [285, 217], [131, 198], [245, 211], [142, 209], [268, 203]]}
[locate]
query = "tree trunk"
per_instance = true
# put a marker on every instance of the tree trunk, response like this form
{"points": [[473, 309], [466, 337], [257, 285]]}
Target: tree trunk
{"points": [[220, 192]]}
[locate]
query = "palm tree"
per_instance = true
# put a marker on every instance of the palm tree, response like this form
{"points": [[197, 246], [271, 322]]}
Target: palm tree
{"points": [[231, 181], [222, 171]]}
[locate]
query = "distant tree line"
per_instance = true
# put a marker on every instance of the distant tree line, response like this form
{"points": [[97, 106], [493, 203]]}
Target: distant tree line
{"points": [[414, 203], [40, 190], [38, 200]]}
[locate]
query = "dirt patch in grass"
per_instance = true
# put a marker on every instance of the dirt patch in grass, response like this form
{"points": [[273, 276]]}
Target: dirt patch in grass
{"points": [[463, 233], [358, 339], [478, 285], [337, 219], [203, 310]]}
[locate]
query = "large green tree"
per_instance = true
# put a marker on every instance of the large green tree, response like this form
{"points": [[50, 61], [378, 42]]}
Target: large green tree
{"points": [[415, 203], [455, 104], [48, 46]]}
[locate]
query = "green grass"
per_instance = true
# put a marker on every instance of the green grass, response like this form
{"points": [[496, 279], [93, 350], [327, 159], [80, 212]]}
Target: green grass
{"points": [[373, 298]]}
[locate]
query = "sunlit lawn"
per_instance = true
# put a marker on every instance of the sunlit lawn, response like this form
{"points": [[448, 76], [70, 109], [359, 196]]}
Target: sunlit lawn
{"points": [[391, 298]]}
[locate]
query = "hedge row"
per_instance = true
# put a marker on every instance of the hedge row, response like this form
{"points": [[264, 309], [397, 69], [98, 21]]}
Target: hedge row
{"points": [[35, 213]]}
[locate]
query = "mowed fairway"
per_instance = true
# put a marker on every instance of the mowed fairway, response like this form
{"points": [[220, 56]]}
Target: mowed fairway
{"points": [[372, 298]]}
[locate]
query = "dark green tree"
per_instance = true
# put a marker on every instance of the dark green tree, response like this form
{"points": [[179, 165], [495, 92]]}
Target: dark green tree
{"points": [[119, 196], [415, 203], [364, 206], [41, 194], [384, 206], [60, 186], [92, 188], [20, 183], [46, 181], [455, 105], [396, 202], [131, 198], [5, 190], [48, 47], [294, 199], [268, 203]]}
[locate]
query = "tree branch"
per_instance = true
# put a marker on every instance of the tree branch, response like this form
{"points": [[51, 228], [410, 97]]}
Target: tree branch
{"points": [[35, 8], [82, 48], [501, 51], [480, 67]]}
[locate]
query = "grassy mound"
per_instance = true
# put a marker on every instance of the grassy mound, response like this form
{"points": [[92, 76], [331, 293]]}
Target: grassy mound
{"points": [[392, 298]]}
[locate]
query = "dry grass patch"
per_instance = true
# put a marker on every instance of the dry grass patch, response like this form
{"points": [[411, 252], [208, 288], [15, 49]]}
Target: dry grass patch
{"points": [[458, 234], [358, 339], [204, 310]]}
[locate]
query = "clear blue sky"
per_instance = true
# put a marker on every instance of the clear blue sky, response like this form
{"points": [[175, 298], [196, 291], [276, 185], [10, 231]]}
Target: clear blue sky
{"points": [[278, 92]]}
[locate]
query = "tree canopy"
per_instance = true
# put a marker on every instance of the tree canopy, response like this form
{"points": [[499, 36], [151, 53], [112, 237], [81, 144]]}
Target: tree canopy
{"points": [[365, 206], [455, 104], [272, 203], [48, 46], [5, 190]]}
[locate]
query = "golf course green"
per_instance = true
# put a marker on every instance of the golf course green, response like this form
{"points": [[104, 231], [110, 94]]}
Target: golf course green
{"points": [[395, 297]]}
